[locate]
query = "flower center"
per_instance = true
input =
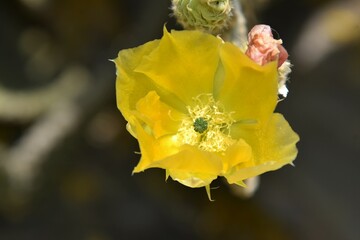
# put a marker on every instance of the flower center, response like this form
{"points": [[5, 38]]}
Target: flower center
{"points": [[207, 125], [200, 125]]}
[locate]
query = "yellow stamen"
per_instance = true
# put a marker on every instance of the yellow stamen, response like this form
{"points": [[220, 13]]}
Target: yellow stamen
{"points": [[207, 125]]}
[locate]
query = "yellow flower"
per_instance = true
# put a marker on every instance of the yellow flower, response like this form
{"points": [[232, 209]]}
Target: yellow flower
{"points": [[200, 108]]}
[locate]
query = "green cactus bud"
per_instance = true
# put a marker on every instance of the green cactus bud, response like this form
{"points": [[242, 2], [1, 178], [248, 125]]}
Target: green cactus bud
{"points": [[211, 16]]}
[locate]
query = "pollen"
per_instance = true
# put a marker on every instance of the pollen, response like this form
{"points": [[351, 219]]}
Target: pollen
{"points": [[207, 125]]}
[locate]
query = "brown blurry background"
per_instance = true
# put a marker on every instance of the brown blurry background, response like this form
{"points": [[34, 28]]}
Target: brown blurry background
{"points": [[66, 158]]}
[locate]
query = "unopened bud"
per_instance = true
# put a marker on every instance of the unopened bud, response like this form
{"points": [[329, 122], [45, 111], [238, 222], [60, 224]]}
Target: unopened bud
{"points": [[211, 16]]}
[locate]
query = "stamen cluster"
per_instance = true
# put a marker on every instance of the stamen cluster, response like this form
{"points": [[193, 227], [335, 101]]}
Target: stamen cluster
{"points": [[207, 126]]}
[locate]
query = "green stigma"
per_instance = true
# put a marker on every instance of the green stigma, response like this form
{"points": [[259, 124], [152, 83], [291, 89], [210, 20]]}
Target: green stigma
{"points": [[200, 125]]}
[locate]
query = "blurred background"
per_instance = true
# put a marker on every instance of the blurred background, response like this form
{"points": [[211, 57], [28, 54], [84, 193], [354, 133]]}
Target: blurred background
{"points": [[66, 158]]}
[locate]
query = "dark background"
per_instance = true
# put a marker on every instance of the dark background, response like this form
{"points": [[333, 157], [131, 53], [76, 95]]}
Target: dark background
{"points": [[66, 158]]}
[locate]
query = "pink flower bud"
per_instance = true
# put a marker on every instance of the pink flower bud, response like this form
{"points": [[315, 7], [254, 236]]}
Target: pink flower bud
{"points": [[263, 48]]}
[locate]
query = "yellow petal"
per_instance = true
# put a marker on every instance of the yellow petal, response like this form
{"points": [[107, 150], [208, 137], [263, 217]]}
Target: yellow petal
{"points": [[131, 86], [273, 147], [237, 153], [184, 64], [152, 149], [248, 89], [186, 164], [190, 159], [161, 118], [147, 153], [190, 179]]}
